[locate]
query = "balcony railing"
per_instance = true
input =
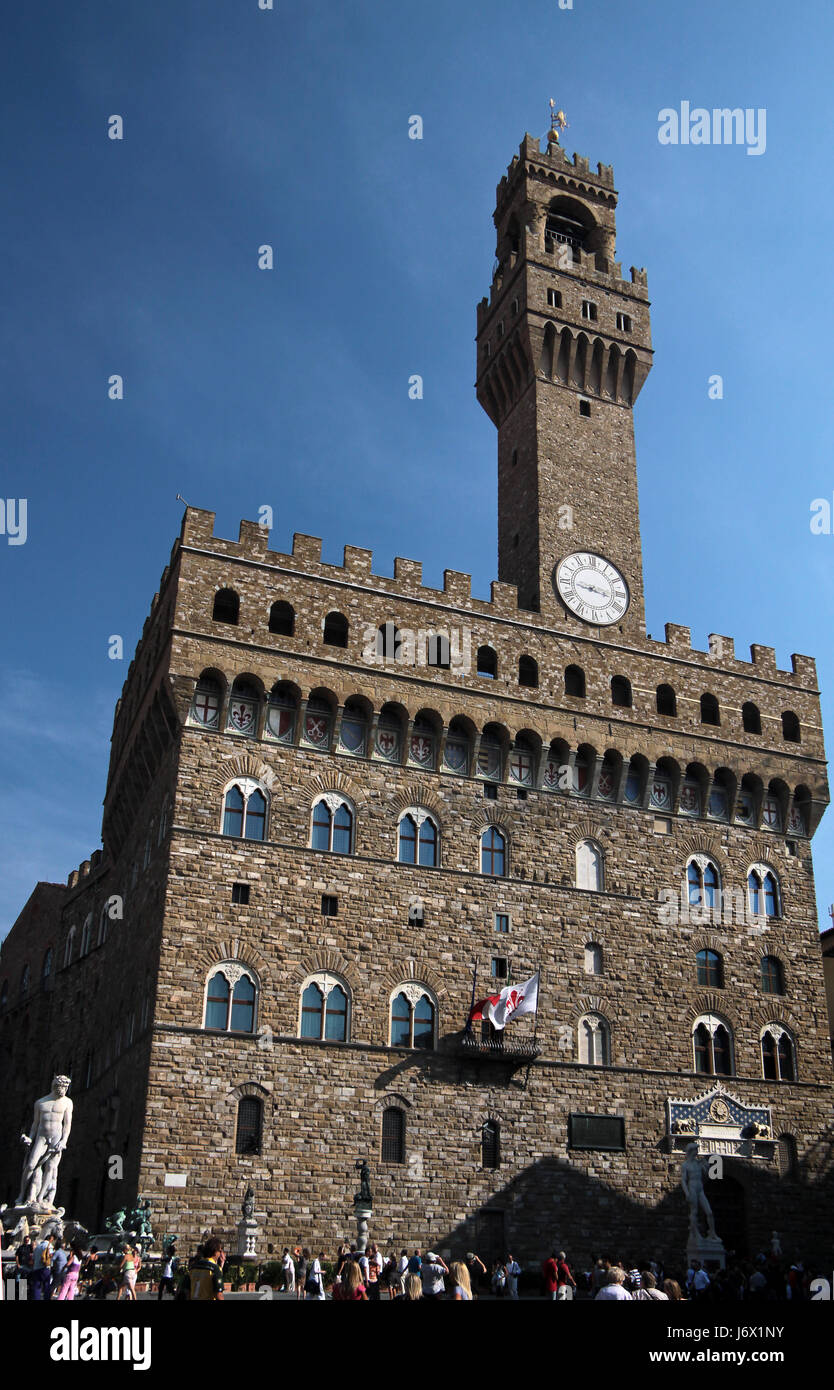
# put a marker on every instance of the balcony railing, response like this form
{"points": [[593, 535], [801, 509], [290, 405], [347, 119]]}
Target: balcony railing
{"points": [[499, 1049]]}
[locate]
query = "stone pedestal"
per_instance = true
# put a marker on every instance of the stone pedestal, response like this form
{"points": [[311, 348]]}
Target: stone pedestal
{"points": [[710, 1251], [248, 1231], [363, 1213]]}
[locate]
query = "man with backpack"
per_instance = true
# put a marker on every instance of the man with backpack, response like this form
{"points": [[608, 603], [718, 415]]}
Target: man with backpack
{"points": [[203, 1280]]}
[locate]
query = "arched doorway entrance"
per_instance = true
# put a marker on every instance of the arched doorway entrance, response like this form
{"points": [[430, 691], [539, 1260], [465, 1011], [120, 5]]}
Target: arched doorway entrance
{"points": [[728, 1199]]}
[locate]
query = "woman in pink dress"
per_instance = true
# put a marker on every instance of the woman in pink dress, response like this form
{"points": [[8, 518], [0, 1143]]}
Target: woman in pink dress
{"points": [[70, 1280]]}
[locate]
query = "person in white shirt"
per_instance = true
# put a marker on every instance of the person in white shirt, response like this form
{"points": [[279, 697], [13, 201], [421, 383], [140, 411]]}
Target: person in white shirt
{"points": [[432, 1275], [701, 1282], [614, 1288], [402, 1270], [513, 1270], [288, 1266], [314, 1273]]}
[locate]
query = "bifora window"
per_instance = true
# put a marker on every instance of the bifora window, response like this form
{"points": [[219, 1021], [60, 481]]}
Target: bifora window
{"points": [[332, 825], [712, 1046], [412, 1019], [324, 1009], [493, 852], [778, 1062], [763, 891], [244, 811], [417, 839], [230, 1000]]}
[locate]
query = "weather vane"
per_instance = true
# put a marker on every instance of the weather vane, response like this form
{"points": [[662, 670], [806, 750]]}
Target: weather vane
{"points": [[558, 121]]}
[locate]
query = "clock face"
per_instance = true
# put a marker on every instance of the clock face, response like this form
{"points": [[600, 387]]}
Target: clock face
{"points": [[592, 588]]}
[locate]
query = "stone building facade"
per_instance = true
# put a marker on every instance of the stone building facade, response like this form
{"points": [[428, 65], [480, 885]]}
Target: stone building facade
{"points": [[339, 804]]}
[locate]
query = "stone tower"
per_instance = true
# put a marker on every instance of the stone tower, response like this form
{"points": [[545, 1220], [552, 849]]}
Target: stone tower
{"points": [[564, 346]]}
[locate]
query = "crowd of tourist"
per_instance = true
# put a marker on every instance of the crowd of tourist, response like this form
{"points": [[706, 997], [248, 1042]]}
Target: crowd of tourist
{"points": [[52, 1270]]}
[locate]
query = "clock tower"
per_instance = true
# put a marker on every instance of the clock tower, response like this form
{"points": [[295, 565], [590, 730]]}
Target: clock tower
{"points": [[564, 346]]}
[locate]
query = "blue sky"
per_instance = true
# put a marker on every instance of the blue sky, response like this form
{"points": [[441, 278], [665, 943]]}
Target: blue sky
{"points": [[245, 387]]}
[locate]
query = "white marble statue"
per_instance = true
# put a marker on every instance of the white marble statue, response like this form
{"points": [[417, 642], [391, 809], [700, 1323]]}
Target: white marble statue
{"points": [[692, 1182], [775, 1244], [51, 1124]]}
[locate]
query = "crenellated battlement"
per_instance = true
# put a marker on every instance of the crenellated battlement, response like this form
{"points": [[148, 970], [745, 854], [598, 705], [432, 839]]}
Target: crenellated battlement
{"points": [[252, 546]]}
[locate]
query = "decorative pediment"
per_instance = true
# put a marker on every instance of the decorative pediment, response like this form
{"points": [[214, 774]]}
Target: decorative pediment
{"points": [[718, 1122]]}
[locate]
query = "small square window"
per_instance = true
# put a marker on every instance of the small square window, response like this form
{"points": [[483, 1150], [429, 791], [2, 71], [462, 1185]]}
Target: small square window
{"points": [[498, 968], [584, 407], [415, 913], [790, 847], [624, 323], [554, 299], [490, 791], [240, 893], [515, 306], [502, 922], [589, 310], [329, 905], [521, 793]]}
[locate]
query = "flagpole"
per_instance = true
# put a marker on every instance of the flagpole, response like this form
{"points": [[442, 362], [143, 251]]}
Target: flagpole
{"points": [[468, 1028], [538, 992]]}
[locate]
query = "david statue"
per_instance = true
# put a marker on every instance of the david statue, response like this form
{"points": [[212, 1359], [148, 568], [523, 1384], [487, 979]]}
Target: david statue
{"points": [[692, 1182], [51, 1124]]}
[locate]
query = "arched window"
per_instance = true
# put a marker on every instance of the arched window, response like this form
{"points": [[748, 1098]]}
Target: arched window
{"points": [[244, 810], [528, 673], [205, 707], [249, 1125], [790, 727], [493, 852], [87, 934], [388, 642], [709, 710], [102, 926], [163, 823], [412, 1018], [417, 839], [575, 682], [621, 691], [773, 979], [589, 866], [231, 998], [593, 959], [710, 969], [666, 701], [393, 1135], [594, 1041], [4, 996], [282, 619], [281, 713], [69, 946], [491, 1144], [46, 968], [353, 730], [24, 981], [778, 1059], [703, 883], [786, 1155], [333, 824], [335, 630], [751, 720], [325, 1009], [438, 652], [487, 664], [456, 751], [712, 1046], [244, 706], [226, 607], [763, 892]]}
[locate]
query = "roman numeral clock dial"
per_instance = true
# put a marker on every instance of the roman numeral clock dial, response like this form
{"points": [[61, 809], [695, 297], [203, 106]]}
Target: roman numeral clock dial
{"points": [[592, 588]]}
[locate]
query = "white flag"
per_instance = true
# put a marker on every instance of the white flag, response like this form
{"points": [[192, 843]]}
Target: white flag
{"points": [[513, 1002]]}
